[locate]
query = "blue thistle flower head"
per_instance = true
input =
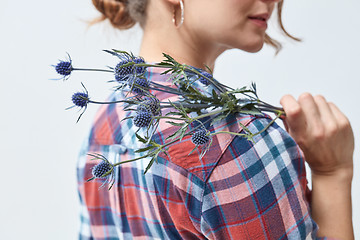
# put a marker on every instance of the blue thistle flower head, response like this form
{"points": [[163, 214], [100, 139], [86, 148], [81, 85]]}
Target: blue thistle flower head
{"points": [[100, 169], [140, 86], [200, 137], [204, 80], [139, 69], [151, 104], [142, 119], [80, 99], [143, 107], [64, 68], [122, 73], [125, 73]]}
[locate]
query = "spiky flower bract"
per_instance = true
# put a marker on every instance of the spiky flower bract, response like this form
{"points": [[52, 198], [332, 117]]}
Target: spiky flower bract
{"points": [[142, 119], [103, 170], [100, 169], [139, 69], [143, 107], [128, 67], [64, 68], [140, 86], [122, 73], [204, 80], [80, 99], [151, 104], [200, 137]]}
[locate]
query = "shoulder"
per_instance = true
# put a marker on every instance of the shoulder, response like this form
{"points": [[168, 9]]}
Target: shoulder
{"points": [[224, 146], [258, 186], [271, 154]]}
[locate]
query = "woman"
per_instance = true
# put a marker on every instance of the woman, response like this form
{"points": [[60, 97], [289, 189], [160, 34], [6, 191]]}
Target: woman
{"points": [[240, 189]]}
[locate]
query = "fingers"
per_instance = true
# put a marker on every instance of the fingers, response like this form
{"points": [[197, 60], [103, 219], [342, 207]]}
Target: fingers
{"points": [[337, 113], [324, 108], [327, 115], [342, 120], [321, 130], [314, 110], [294, 115], [310, 110], [309, 114]]}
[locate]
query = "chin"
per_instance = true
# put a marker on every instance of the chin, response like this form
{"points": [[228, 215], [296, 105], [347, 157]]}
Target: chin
{"points": [[253, 48]]}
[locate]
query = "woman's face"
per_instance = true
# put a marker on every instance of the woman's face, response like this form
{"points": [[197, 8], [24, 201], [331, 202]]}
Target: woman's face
{"points": [[229, 23]]}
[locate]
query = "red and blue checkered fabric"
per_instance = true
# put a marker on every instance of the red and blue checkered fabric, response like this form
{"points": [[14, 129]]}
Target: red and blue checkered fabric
{"points": [[238, 190]]}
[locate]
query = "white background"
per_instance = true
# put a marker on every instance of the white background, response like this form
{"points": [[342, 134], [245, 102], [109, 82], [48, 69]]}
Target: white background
{"points": [[40, 141]]}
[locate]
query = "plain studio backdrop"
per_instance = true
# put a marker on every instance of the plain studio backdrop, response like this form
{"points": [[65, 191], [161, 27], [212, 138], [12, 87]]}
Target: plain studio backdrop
{"points": [[40, 141]]}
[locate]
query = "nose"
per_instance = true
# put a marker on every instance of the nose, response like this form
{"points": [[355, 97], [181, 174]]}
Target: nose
{"points": [[271, 4], [272, 1]]}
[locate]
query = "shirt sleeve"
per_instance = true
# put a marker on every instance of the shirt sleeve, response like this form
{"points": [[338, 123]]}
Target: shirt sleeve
{"points": [[258, 189], [85, 225]]}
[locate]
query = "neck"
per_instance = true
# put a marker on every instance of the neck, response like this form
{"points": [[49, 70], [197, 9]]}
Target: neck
{"points": [[178, 45]]}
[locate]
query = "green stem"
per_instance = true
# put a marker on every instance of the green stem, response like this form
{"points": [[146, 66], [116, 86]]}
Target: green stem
{"points": [[146, 65], [189, 105], [233, 133], [96, 70], [131, 160], [166, 117], [167, 91], [120, 101], [265, 128], [160, 148], [245, 128], [219, 87], [171, 142], [210, 113]]}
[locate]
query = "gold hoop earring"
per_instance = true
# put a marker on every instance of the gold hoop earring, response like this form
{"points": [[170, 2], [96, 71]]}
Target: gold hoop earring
{"points": [[182, 15]]}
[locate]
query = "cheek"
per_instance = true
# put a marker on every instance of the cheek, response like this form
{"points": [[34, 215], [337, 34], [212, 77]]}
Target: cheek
{"points": [[251, 38], [241, 35], [234, 29]]}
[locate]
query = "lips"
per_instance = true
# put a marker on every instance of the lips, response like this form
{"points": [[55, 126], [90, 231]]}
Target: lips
{"points": [[260, 19], [262, 16]]}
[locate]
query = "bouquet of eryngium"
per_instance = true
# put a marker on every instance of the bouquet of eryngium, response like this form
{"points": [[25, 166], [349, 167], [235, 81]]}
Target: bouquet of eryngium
{"points": [[192, 106]]}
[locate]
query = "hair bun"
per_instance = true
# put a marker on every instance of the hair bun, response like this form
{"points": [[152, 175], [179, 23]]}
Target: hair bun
{"points": [[116, 11], [137, 10]]}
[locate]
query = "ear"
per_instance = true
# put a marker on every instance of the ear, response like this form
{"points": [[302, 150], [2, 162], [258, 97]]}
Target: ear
{"points": [[171, 4], [174, 2]]}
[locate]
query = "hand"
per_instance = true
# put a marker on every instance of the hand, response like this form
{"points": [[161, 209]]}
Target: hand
{"points": [[322, 131]]}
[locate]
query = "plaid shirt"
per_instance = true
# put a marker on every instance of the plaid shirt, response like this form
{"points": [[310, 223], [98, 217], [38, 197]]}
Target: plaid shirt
{"points": [[238, 190]]}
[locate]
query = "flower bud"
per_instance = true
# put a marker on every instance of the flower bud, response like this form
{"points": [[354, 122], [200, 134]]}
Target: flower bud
{"points": [[142, 119], [80, 99], [100, 169], [200, 137]]}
